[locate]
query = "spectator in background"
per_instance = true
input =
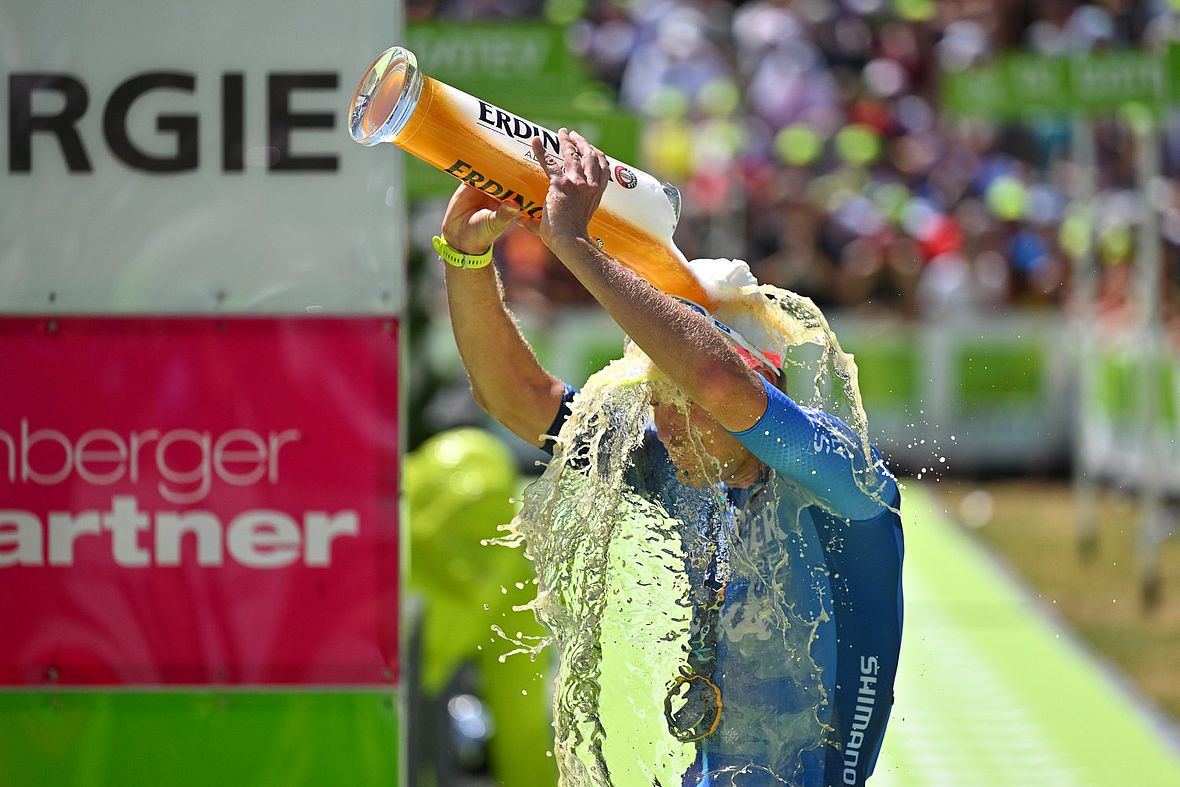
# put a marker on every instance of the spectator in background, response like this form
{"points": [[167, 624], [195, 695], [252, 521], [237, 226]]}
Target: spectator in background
{"points": [[806, 136]]}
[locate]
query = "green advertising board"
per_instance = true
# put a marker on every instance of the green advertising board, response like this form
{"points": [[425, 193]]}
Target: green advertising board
{"points": [[999, 375], [1118, 390], [1036, 84], [199, 737], [888, 371], [495, 58], [977, 92], [1114, 80], [1022, 85]]}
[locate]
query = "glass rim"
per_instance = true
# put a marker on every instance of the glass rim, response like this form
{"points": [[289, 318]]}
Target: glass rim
{"points": [[395, 62]]}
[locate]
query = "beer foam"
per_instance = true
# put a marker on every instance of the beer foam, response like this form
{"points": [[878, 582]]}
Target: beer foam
{"points": [[722, 279]]}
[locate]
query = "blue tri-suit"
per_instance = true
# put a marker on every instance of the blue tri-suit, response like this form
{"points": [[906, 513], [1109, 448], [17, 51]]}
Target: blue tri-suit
{"points": [[818, 581]]}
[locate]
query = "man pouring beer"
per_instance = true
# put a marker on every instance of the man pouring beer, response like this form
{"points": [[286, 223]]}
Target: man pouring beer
{"points": [[780, 538]]}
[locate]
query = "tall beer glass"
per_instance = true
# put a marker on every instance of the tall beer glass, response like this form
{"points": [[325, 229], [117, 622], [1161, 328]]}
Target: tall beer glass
{"points": [[488, 148]]}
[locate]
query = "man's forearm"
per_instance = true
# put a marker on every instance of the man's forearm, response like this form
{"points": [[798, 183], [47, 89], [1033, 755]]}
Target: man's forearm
{"points": [[506, 379], [684, 345]]}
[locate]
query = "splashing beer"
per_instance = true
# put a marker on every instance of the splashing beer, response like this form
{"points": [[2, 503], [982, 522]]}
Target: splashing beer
{"points": [[488, 149]]}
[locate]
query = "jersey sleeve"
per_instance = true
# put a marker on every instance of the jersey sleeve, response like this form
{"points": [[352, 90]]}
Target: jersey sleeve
{"points": [[820, 453], [563, 412]]}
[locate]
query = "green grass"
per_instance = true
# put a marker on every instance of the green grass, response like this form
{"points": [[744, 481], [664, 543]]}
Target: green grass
{"points": [[990, 690], [1033, 528]]}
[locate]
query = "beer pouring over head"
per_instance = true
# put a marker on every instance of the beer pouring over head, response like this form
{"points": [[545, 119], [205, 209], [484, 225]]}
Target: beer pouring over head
{"points": [[489, 149]]}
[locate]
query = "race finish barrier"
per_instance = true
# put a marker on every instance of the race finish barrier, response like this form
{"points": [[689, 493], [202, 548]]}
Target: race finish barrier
{"points": [[983, 395], [972, 395], [200, 284], [1112, 442], [1139, 87]]}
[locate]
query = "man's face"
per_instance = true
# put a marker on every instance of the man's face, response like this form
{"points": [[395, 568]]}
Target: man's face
{"points": [[689, 430]]}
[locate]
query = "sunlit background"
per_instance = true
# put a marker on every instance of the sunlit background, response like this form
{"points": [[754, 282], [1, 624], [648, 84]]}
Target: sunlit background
{"points": [[983, 197]]}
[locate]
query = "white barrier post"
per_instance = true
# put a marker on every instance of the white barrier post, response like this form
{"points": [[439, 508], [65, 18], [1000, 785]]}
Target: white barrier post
{"points": [[1147, 172], [1085, 292]]}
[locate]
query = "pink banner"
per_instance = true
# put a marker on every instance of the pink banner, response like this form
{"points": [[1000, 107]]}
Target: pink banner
{"points": [[198, 501]]}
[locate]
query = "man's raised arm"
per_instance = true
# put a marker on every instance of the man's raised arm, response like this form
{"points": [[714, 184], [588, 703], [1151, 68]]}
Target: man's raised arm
{"points": [[506, 379], [682, 343]]}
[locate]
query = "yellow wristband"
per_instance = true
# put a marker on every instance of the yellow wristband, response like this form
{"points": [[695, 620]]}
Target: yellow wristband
{"points": [[452, 256]]}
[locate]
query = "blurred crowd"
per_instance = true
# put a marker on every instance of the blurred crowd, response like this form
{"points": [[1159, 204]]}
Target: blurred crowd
{"points": [[806, 137]]}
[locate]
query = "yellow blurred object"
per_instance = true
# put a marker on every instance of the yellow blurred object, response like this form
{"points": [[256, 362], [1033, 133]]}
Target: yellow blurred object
{"points": [[458, 488]]}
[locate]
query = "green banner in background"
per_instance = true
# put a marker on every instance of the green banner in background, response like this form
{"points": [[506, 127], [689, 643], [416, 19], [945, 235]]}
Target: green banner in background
{"points": [[1036, 85], [1118, 392], [888, 371], [979, 92], [497, 57], [155, 738], [1172, 74], [1110, 81], [1021, 85], [1000, 374]]}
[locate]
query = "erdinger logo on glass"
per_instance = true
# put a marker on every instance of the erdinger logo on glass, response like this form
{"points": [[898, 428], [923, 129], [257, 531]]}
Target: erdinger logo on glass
{"points": [[515, 127], [520, 130], [625, 177], [180, 468]]}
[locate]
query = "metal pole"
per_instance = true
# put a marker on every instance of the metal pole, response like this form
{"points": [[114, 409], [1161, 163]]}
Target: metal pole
{"points": [[1148, 264], [1085, 312]]}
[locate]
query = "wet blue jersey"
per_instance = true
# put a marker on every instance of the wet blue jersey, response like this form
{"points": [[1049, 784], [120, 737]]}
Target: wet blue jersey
{"points": [[796, 606], [847, 557]]}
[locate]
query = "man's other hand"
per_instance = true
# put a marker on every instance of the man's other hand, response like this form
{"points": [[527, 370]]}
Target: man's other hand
{"points": [[474, 220], [576, 183]]}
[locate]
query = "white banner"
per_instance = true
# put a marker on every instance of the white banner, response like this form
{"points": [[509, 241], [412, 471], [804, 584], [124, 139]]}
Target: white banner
{"points": [[179, 157]]}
